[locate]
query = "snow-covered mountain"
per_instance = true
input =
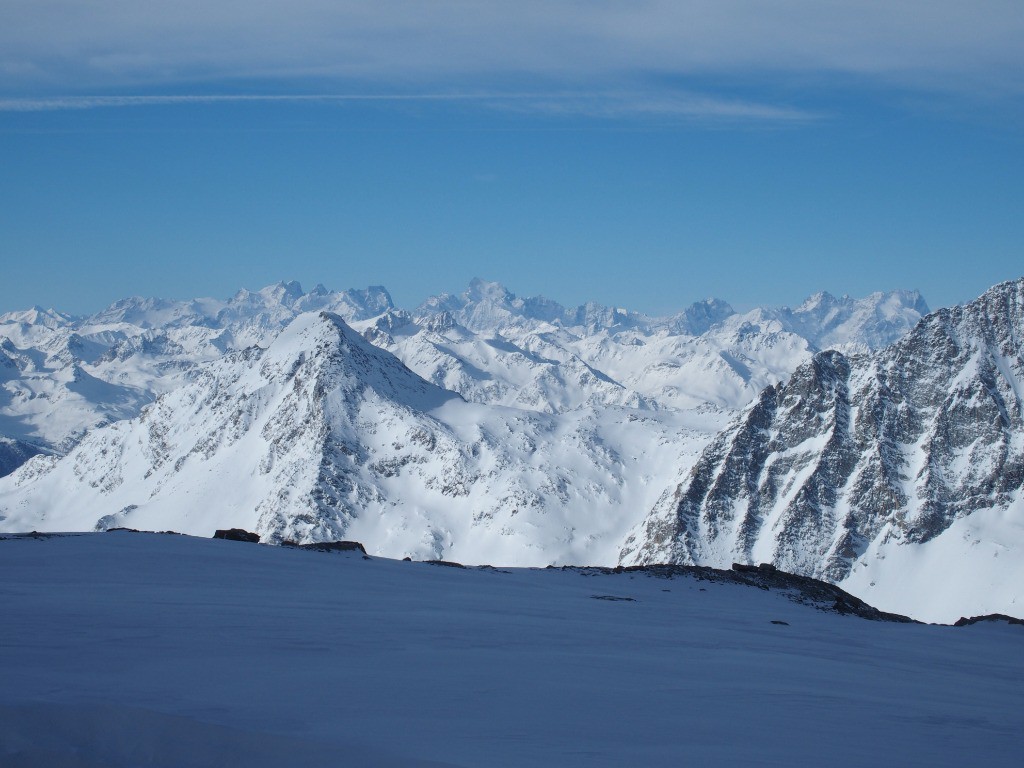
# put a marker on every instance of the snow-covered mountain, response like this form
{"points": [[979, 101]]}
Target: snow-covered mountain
{"points": [[488, 428], [705, 355], [899, 474], [62, 376], [323, 435], [258, 413]]}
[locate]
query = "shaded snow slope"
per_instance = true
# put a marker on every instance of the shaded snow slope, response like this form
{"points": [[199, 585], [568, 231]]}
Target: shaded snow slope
{"points": [[141, 649]]}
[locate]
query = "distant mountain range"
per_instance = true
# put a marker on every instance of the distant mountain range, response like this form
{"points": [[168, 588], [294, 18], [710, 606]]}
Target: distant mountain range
{"points": [[485, 427]]}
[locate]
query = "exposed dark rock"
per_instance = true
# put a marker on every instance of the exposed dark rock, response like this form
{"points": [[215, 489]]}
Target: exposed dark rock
{"points": [[32, 535], [762, 568], [334, 546], [800, 589], [613, 598], [991, 617], [780, 622], [449, 563], [237, 534], [491, 568]]}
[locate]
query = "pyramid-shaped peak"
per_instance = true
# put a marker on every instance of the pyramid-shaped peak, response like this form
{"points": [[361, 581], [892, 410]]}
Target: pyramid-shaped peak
{"points": [[326, 344], [310, 330]]}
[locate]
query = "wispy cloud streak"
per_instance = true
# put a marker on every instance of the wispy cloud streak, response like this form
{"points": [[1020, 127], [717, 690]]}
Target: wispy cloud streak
{"points": [[936, 44], [611, 106], [55, 103]]}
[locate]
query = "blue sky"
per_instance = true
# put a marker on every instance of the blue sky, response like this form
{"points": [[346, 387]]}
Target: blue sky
{"points": [[644, 154]]}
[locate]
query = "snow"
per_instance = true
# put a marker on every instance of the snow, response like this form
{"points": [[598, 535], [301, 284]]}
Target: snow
{"points": [[928, 580], [413, 469], [527, 353], [142, 649], [256, 413]]}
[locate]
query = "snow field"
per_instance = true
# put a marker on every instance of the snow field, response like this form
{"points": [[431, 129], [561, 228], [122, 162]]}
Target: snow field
{"points": [[128, 649]]}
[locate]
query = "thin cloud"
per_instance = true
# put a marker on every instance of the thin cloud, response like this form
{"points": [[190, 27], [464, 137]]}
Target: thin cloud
{"points": [[934, 45], [688, 106], [594, 105], [57, 103]]}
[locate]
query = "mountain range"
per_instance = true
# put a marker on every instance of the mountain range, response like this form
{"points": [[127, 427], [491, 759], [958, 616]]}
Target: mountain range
{"points": [[485, 427]]}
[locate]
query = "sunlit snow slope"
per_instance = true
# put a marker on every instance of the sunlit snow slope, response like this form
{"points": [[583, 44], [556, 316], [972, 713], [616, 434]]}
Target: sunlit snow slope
{"points": [[61, 376], [323, 435]]}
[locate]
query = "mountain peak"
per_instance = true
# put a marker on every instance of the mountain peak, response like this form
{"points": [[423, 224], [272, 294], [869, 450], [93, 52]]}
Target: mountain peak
{"points": [[820, 300], [283, 292], [485, 290], [701, 316], [49, 318], [323, 344]]}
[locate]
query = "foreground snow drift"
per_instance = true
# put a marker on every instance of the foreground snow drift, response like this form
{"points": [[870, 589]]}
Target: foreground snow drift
{"points": [[129, 649]]}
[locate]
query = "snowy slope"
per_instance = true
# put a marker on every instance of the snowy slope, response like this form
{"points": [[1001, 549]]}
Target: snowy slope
{"points": [[520, 432], [62, 376], [323, 435], [139, 649], [492, 346]]}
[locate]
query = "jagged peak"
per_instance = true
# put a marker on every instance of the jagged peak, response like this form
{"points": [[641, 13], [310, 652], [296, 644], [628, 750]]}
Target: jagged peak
{"points": [[892, 300], [701, 316], [986, 311], [377, 295]]}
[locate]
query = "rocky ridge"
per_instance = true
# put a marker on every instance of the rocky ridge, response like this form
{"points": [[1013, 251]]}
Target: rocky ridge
{"points": [[857, 458]]}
